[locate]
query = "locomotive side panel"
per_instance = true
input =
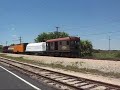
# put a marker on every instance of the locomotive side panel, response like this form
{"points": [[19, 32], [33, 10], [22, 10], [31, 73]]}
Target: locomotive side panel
{"points": [[60, 44], [64, 46]]}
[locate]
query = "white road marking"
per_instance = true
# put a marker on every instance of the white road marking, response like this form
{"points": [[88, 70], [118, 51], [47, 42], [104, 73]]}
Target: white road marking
{"points": [[21, 79]]}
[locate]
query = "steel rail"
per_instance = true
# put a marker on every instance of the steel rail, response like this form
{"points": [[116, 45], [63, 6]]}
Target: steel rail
{"points": [[109, 86]]}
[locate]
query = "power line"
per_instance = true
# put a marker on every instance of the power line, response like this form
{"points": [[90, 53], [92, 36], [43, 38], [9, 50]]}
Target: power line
{"points": [[101, 33], [6, 43], [20, 39], [89, 26]]}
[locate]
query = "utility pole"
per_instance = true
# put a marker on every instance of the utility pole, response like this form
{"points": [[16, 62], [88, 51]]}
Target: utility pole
{"points": [[109, 43], [6, 43], [20, 39], [57, 32]]}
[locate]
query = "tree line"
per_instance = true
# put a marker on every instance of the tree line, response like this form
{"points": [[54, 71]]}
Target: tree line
{"points": [[86, 46], [1, 48]]}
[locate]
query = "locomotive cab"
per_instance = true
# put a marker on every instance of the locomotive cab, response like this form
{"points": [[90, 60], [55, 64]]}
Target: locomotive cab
{"points": [[74, 45]]}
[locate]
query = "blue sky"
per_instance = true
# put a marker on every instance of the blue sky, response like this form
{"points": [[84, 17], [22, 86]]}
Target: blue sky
{"points": [[94, 20]]}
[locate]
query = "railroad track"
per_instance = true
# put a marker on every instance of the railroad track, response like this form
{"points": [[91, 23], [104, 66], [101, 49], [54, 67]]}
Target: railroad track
{"points": [[59, 80]]}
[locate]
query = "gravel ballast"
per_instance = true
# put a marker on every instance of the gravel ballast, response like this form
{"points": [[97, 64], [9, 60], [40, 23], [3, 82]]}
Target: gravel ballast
{"points": [[100, 65]]}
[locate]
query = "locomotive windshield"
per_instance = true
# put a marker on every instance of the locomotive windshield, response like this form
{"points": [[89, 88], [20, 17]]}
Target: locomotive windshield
{"points": [[75, 42]]}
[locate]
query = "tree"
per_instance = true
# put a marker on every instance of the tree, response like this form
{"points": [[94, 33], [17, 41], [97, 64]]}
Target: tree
{"points": [[12, 44], [1, 48], [51, 35], [86, 48]]}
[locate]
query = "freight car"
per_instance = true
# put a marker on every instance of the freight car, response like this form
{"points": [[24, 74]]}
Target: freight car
{"points": [[10, 49], [5, 49], [36, 48], [19, 48]]}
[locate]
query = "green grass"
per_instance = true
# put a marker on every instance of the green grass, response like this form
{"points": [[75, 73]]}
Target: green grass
{"points": [[107, 55], [73, 67], [104, 55]]}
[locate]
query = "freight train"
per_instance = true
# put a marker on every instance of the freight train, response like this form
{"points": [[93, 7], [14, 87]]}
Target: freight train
{"points": [[67, 46]]}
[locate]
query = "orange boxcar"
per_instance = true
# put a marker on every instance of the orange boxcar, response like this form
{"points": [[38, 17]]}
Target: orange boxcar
{"points": [[20, 48]]}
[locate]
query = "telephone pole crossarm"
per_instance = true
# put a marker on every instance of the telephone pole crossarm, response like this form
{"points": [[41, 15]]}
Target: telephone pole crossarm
{"points": [[57, 32]]}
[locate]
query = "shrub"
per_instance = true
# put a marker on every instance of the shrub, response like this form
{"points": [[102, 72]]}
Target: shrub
{"points": [[86, 48]]}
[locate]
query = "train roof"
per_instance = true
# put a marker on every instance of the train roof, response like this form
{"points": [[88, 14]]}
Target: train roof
{"points": [[5, 46], [63, 39], [36, 44], [20, 44]]}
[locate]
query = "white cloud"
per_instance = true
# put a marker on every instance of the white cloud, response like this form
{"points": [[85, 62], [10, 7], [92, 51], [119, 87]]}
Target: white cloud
{"points": [[14, 35], [12, 28]]}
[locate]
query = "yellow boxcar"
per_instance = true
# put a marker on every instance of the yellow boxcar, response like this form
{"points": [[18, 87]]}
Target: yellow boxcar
{"points": [[20, 48]]}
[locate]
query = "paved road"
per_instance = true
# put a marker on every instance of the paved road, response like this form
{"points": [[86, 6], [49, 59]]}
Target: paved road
{"points": [[14, 80]]}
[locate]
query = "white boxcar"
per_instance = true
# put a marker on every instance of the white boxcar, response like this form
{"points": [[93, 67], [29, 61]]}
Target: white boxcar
{"points": [[36, 47]]}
